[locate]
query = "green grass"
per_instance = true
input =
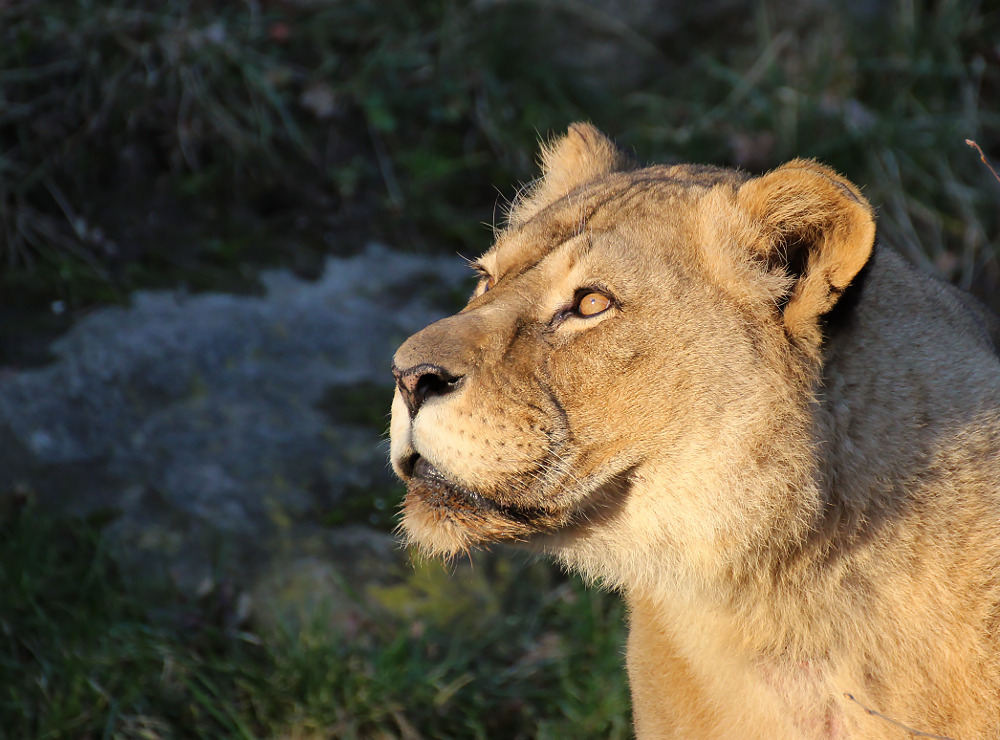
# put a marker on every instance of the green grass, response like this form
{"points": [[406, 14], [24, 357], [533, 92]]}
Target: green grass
{"points": [[86, 655], [275, 134], [276, 131]]}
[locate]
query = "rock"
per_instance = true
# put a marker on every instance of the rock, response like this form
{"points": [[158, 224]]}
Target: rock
{"points": [[220, 431]]}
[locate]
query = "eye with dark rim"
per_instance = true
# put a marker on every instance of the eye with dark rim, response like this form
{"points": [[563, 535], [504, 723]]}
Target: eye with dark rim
{"points": [[486, 281], [591, 302]]}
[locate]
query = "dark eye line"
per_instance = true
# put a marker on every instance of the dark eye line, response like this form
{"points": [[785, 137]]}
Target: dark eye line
{"points": [[595, 288], [485, 280]]}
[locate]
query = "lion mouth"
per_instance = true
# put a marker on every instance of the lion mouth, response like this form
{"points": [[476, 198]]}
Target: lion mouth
{"points": [[445, 517], [435, 489]]}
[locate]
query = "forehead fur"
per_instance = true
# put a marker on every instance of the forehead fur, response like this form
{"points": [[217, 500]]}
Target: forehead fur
{"points": [[583, 156], [650, 198]]}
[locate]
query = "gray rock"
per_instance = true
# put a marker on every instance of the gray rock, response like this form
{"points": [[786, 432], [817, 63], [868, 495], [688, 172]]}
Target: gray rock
{"points": [[213, 428]]}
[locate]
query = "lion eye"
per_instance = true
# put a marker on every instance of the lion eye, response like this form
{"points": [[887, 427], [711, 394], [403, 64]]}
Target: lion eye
{"points": [[592, 304], [486, 283]]}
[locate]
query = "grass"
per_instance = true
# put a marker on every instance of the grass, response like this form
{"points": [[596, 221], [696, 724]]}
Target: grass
{"points": [[86, 655], [155, 144], [269, 135]]}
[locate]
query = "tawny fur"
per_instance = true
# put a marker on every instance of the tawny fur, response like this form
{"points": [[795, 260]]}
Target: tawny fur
{"points": [[780, 443]]}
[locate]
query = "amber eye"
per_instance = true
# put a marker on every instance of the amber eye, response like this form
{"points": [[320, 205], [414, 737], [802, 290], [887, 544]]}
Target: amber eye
{"points": [[490, 282], [592, 304]]}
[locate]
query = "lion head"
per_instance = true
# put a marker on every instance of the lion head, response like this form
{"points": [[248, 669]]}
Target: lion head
{"points": [[636, 359]]}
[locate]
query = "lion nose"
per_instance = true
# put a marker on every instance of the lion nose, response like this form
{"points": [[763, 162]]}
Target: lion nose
{"points": [[417, 384]]}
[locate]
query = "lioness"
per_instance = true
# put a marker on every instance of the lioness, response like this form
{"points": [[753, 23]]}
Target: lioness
{"points": [[721, 396]]}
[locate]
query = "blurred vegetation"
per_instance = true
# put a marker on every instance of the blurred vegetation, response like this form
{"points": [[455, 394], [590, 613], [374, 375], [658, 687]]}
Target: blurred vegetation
{"points": [[83, 655], [189, 144], [144, 143]]}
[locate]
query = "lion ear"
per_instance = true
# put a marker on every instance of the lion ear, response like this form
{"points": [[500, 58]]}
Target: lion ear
{"points": [[815, 227], [582, 155]]}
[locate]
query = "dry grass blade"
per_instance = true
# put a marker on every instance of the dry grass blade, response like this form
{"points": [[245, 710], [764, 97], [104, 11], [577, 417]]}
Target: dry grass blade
{"points": [[982, 156]]}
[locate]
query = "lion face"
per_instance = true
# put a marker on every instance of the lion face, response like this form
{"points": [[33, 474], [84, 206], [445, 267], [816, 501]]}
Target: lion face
{"points": [[629, 326], [512, 416]]}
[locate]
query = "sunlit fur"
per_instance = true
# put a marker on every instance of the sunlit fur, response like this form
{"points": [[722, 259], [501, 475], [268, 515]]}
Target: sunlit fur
{"points": [[780, 443]]}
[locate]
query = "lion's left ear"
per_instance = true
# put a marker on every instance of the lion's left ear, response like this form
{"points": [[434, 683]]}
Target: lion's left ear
{"points": [[582, 155], [818, 229]]}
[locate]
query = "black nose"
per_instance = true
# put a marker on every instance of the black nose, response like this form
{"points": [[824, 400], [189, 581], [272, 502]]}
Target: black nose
{"points": [[417, 384]]}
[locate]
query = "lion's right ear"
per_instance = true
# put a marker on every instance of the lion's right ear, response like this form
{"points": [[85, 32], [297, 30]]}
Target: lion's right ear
{"points": [[582, 155], [816, 228]]}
